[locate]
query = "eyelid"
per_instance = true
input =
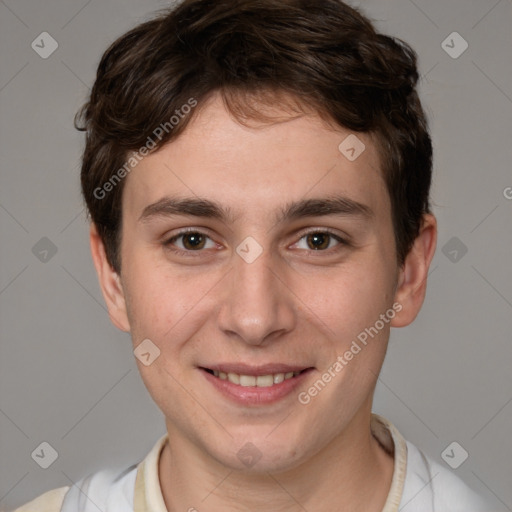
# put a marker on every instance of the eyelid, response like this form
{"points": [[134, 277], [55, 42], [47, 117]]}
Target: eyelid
{"points": [[329, 231]]}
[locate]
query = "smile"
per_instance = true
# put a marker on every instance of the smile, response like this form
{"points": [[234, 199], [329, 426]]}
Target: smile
{"points": [[260, 381], [256, 386]]}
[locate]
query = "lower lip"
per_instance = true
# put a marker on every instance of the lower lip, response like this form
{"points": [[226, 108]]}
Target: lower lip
{"points": [[253, 395]]}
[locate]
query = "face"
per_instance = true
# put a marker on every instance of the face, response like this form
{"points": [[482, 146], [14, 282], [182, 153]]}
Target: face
{"points": [[261, 252]]}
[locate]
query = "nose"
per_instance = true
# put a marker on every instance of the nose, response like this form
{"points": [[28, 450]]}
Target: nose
{"points": [[258, 305]]}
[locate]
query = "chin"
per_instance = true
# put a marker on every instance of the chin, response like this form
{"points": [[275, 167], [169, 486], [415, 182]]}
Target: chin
{"points": [[257, 455]]}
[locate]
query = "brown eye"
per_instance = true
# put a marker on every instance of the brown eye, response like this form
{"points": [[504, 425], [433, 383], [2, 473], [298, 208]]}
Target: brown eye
{"points": [[318, 241], [189, 241], [193, 241], [321, 241]]}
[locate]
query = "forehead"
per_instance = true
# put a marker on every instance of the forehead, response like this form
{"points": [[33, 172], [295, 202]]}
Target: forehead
{"points": [[253, 167]]}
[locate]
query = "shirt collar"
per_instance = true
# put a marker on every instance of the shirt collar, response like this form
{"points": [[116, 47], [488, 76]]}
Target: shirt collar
{"points": [[148, 493]]}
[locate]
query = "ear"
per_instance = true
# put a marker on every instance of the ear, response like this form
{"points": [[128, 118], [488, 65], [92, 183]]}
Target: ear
{"points": [[110, 282], [412, 277]]}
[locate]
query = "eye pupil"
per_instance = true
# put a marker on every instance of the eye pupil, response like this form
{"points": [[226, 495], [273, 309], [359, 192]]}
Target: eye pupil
{"points": [[318, 241], [193, 241]]}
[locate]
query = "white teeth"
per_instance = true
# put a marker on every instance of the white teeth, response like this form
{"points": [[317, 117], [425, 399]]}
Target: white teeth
{"points": [[234, 378], [264, 381], [247, 380], [278, 377], [261, 381]]}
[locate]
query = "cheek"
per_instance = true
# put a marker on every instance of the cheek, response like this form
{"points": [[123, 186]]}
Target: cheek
{"points": [[164, 305], [349, 299], [347, 307]]}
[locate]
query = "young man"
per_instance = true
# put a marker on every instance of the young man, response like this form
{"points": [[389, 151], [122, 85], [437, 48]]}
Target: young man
{"points": [[257, 174]]}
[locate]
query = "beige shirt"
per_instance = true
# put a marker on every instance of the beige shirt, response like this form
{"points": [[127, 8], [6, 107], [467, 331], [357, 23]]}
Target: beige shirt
{"points": [[141, 486]]}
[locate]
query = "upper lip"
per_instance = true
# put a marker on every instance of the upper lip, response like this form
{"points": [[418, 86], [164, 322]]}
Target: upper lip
{"points": [[264, 369]]}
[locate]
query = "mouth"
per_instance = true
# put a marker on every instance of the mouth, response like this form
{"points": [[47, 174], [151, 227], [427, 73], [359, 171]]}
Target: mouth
{"points": [[255, 385], [260, 381]]}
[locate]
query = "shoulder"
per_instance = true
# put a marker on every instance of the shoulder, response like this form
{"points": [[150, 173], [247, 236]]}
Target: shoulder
{"points": [[109, 490], [50, 501], [430, 486]]}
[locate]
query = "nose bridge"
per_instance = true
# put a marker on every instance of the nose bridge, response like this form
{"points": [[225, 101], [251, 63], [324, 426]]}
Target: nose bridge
{"points": [[256, 303]]}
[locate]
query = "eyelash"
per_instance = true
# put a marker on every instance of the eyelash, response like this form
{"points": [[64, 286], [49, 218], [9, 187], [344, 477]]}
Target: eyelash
{"points": [[168, 244]]}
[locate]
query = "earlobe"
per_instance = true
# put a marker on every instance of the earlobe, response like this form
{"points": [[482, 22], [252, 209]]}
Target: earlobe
{"points": [[412, 279], [110, 282]]}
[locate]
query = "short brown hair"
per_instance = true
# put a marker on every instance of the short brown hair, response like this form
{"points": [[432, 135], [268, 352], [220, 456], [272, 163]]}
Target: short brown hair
{"points": [[322, 53]]}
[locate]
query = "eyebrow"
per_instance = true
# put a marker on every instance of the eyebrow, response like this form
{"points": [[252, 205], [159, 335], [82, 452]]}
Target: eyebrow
{"points": [[197, 207]]}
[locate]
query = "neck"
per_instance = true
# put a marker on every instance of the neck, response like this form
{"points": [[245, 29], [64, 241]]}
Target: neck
{"points": [[353, 470]]}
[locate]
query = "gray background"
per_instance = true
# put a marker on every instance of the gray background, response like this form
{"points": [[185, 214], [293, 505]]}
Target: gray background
{"points": [[68, 377]]}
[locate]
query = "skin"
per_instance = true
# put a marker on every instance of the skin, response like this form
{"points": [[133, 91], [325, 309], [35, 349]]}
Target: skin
{"points": [[293, 304]]}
